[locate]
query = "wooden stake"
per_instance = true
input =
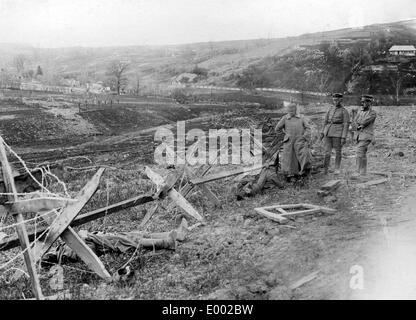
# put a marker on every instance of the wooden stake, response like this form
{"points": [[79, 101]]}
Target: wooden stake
{"points": [[20, 228], [174, 195], [68, 214]]}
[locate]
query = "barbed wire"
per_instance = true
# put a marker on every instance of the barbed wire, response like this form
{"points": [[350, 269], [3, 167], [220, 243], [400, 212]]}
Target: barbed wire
{"points": [[28, 220]]}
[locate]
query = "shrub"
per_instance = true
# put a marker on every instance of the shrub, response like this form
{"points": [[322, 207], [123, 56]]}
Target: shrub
{"points": [[180, 96]]}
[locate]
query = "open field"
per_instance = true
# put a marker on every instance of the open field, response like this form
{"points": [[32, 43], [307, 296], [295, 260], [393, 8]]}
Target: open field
{"points": [[238, 254]]}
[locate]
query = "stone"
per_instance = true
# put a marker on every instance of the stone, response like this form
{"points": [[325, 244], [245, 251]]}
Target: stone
{"points": [[247, 223]]}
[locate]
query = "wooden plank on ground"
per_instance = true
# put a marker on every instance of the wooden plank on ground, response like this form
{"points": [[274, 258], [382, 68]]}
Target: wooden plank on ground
{"points": [[371, 183], [304, 280], [67, 215], [307, 209], [285, 206], [302, 212], [272, 216], [174, 195], [225, 174], [39, 204], [85, 253], [206, 190], [12, 241], [149, 214]]}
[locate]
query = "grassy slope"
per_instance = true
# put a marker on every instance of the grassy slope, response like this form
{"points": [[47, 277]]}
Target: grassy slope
{"points": [[154, 63]]}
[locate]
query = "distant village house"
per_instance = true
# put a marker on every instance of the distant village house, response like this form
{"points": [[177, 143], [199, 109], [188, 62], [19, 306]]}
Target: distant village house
{"points": [[408, 51]]}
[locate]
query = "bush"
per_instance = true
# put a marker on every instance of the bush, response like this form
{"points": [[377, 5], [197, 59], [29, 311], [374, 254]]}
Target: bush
{"points": [[200, 71], [180, 96]]}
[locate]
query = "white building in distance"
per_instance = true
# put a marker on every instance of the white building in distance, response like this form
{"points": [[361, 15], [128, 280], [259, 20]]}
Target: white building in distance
{"points": [[408, 51]]}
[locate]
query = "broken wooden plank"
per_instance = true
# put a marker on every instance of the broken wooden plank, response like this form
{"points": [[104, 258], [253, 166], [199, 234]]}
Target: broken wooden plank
{"points": [[371, 183], [225, 174], [12, 241], [20, 228], [39, 204], [174, 195], [282, 216], [67, 215], [170, 182], [85, 253], [304, 280], [285, 206], [189, 187], [206, 190], [302, 212], [323, 193], [149, 214], [272, 216], [327, 210], [331, 185]]}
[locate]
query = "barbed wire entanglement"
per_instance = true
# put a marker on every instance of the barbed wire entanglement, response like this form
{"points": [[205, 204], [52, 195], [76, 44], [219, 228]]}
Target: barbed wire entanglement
{"points": [[49, 186]]}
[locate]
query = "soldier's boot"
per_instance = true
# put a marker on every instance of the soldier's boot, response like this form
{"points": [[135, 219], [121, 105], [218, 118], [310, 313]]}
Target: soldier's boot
{"points": [[358, 165], [358, 162], [363, 169], [327, 160], [337, 164]]}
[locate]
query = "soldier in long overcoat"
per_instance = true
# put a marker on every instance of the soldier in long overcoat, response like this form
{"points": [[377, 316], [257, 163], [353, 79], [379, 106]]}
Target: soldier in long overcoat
{"points": [[296, 156]]}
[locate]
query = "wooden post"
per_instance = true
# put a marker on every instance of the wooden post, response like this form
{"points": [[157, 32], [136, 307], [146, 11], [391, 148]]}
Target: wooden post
{"points": [[20, 228]]}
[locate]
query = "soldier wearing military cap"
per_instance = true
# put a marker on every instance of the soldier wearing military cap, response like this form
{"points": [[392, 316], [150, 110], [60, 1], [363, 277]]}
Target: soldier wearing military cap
{"points": [[363, 125], [335, 132]]}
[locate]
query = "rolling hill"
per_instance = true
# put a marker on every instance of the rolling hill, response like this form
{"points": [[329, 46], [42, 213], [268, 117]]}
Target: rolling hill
{"points": [[160, 64]]}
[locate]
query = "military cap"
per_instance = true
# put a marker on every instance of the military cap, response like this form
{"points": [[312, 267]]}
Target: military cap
{"points": [[337, 95], [367, 97]]}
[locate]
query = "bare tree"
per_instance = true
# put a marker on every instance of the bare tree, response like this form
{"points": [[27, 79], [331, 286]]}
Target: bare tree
{"points": [[396, 79], [19, 63], [117, 71], [137, 84]]}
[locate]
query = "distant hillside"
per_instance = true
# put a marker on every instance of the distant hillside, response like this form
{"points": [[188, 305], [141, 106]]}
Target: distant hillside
{"points": [[221, 62], [349, 60]]}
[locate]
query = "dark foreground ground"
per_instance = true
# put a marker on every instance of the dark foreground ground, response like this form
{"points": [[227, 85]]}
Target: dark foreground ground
{"points": [[239, 254]]}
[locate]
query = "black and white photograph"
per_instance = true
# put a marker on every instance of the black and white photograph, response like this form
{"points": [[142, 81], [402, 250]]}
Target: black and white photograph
{"points": [[220, 152]]}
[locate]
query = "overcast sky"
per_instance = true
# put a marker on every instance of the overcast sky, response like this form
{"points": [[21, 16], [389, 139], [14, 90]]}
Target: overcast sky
{"points": [[60, 23]]}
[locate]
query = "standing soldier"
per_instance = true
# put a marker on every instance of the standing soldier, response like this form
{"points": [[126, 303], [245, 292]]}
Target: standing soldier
{"points": [[296, 156], [335, 132], [363, 125], [353, 114]]}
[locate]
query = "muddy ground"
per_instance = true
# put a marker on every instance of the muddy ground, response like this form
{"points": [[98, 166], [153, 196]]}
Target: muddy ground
{"points": [[237, 254]]}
